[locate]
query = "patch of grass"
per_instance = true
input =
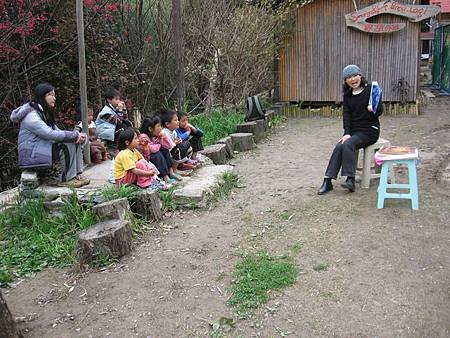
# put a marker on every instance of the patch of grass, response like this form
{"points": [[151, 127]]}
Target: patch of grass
{"points": [[297, 247], [138, 225], [228, 183], [102, 260], [321, 267], [256, 275], [167, 201], [34, 240], [217, 124], [286, 215], [277, 120], [221, 326], [115, 192]]}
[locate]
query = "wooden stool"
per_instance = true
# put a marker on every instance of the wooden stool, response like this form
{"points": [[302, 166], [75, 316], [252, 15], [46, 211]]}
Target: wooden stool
{"points": [[412, 186], [368, 153]]}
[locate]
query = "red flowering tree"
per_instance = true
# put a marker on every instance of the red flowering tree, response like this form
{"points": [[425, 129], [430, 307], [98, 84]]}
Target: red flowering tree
{"points": [[38, 42]]}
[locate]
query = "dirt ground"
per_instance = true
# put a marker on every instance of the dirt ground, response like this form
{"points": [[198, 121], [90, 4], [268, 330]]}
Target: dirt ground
{"points": [[389, 269]]}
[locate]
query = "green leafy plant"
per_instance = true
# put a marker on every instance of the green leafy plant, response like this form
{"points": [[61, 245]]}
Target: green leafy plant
{"points": [[34, 240], [167, 201], [217, 125], [277, 120], [256, 275], [115, 192], [297, 247], [321, 267], [223, 189], [102, 260]]}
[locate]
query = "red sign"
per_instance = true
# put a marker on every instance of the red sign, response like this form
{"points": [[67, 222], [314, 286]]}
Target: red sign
{"points": [[413, 13]]}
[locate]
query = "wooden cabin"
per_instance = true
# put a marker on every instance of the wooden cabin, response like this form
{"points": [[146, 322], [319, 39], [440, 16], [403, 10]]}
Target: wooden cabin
{"points": [[321, 45]]}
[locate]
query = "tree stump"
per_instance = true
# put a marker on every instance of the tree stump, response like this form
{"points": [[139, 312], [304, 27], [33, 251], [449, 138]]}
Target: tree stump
{"points": [[216, 152], [148, 205], [8, 327], [254, 127], [242, 141], [260, 130], [115, 209], [229, 145], [110, 238]]}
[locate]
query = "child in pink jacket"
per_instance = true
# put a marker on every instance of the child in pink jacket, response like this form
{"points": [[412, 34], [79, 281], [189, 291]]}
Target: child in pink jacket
{"points": [[155, 146]]}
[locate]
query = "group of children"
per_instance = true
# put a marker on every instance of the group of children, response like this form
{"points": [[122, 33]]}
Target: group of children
{"points": [[154, 156], [157, 155]]}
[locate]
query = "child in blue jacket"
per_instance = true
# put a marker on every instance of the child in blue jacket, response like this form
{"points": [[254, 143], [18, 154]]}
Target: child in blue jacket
{"points": [[187, 132]]}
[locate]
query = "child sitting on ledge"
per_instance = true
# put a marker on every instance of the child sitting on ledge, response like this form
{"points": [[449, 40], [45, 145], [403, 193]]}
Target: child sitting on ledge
{"points": [[154, 146], [98, 149], [130, 167], [187, 132]]}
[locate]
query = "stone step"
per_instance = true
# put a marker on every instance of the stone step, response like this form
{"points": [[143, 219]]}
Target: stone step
{"points": [[193, 190]]}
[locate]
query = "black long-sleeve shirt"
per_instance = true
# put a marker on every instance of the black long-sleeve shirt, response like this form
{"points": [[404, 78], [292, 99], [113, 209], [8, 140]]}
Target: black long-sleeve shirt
{"points": [[356, 116]]}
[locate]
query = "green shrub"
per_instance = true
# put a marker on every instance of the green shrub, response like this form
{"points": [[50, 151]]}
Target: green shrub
{"points": [[33, 240], [217, 125], [115, 192]]}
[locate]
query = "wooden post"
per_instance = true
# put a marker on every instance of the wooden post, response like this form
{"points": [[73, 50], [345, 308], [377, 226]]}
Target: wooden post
{"points": [[179, 51], [7, 323], [82, 75]]}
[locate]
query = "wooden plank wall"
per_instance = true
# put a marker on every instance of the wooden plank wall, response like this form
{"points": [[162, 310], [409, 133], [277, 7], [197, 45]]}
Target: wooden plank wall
{"points": [[311, 62]]}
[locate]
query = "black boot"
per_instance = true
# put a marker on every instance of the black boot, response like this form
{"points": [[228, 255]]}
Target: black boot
{"points": [[326, 186], [349, 184]]}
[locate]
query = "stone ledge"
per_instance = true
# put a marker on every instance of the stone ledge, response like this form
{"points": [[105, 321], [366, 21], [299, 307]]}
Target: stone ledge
{"points": [[200, 184]]}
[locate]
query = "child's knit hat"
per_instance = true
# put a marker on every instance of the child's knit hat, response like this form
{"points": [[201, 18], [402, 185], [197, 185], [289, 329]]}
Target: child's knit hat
{"points": [[351, 70]]}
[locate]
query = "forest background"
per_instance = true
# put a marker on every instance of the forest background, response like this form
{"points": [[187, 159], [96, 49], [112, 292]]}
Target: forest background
{"points": [[228, 48]]}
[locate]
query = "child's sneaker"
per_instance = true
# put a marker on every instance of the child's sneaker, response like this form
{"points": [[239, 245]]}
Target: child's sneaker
{"points": [[83, 180], [192, 161], [185, 173], [171, 181], [186, 166], [175, 176], [73, 183]]}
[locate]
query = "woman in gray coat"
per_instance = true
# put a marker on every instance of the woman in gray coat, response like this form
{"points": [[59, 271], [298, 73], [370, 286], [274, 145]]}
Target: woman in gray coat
{"points": [[55, 154]]}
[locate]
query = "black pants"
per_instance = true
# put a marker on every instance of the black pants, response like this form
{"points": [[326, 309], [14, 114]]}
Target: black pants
{"points": [[162, 161], [181, 152], [344, 154], [196, 140]]}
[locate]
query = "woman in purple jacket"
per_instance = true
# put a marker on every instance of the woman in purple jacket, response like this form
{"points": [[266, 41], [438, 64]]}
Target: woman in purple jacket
{"points": [[55, 154]]}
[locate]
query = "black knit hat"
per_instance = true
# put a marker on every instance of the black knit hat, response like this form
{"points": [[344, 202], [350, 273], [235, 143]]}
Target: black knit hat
{"points": [[41, 90]]}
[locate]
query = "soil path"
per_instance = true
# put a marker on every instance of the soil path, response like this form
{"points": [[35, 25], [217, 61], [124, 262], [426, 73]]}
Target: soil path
{"points": [[389, 269]]}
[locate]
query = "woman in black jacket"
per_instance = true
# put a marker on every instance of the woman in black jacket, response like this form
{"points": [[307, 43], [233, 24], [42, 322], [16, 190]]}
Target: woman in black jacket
{"points": [[361, 129]]}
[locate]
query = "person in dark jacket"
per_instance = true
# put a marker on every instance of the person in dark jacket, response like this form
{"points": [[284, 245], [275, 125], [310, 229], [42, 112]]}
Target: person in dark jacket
{"points": [[56, 154], [361, 129]]}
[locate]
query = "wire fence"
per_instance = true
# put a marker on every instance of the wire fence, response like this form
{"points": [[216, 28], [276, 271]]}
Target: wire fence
{"points": [[441, 58]]}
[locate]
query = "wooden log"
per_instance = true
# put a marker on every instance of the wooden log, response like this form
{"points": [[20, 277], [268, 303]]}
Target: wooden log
{"points": [[229, 145], [260, 130], [216, 152], [115, 209], [148, 205], [246, 127], [253, 127], [110, 238], [242, 141], [8, 328]]}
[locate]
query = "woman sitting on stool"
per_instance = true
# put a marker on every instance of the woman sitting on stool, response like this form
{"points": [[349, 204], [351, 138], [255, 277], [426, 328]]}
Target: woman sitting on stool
{"points": [[55, 154], [361, 129]]}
